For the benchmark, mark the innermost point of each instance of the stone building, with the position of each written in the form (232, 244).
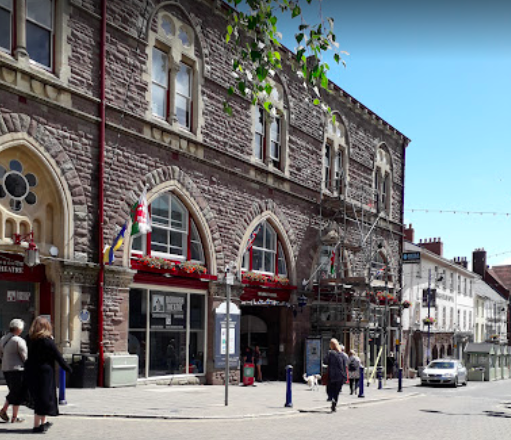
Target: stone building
(101, 100)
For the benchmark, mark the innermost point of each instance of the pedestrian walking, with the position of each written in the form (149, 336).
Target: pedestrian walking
(40, 372)
(13, 352)
(336, 371)
(354, 371)
(258, 361)
(391, 362)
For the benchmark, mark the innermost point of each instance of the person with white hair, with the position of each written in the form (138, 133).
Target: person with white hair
(13, 352)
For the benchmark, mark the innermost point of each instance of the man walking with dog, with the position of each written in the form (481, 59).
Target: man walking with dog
(336, 362)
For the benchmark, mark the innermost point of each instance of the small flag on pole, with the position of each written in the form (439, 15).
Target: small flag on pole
(252, 238)
(380, 272)
(140, 216)
(332, 262)
(108, 253)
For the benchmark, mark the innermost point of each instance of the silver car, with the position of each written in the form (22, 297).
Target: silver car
(444, 372)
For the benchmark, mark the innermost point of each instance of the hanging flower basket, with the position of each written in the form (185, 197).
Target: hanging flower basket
(429, 321)
(173, 267)
(406, 304)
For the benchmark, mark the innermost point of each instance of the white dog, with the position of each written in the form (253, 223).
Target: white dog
(312, 381)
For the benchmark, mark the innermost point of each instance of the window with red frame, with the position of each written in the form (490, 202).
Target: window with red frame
(266, 254)
(174, 233)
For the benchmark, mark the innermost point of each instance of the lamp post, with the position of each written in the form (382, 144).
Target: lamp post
(428, 354)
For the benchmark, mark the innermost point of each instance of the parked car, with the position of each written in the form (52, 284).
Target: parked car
(444, 372)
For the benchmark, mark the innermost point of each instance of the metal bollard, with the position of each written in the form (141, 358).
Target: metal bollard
(361, 383)
(400, 381)
(289, 382)
(380, 377)
(62, 386)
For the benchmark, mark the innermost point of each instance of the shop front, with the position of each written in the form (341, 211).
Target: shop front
(24, 292)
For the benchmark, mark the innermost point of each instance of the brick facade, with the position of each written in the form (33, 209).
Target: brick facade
(214, 169)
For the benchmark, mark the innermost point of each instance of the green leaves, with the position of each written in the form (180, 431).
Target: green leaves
(254, 38)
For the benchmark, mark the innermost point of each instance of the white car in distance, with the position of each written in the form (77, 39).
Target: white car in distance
(444, 372)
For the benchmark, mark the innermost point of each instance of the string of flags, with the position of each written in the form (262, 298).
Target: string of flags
(141, 224)
(448, 211)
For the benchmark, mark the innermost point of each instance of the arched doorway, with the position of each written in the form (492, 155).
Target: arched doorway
(449, 350)
(442, 351)
(254, 331)
(435, 352)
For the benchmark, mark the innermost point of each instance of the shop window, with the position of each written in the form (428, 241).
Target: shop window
(265, 254)
(174, 233)
(167, 331)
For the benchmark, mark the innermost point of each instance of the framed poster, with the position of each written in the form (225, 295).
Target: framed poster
(312, 356)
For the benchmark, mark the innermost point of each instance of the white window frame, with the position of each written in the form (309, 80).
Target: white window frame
(327, 164)
(151, 288)
(52, 36)
(260, 116)
(169, 228)
(276, 121)
(188, 98)
(11, 27)
(164, 87)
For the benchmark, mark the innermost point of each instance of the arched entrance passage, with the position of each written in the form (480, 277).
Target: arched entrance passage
(435, 352)
(259, 326)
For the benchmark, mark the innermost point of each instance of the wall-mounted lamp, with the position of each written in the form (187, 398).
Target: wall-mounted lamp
(32, 252)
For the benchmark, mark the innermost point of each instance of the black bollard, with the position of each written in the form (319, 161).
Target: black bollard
(380, 377)
(361, 383)
(289, 383)
(62, 386)
(400, 381)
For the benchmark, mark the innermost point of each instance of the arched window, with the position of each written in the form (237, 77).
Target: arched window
(335, 157)
(382, 181)
(264, 252)
(174, 233)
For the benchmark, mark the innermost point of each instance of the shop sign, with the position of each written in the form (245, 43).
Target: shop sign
(411, 257)
(17, 296)
(11, 266)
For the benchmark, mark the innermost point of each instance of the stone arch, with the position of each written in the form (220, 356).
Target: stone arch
(382, 145)
(268, 210)
(20, 130)
(347, 135)
(171, 178)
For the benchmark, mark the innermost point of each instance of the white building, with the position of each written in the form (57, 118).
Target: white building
(451, 304)
(490, 315)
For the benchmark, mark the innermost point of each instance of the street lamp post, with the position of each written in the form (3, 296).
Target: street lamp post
(428, 354)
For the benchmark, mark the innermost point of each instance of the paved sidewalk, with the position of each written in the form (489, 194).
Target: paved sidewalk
(266, 399)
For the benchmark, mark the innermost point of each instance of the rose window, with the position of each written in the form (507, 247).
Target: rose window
(17, 186)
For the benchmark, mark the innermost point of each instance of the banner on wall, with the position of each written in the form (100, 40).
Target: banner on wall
(312, 356)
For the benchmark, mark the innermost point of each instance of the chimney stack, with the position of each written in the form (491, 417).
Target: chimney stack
(409, 233)
(461, 261)
(434, 245)
(479, 261)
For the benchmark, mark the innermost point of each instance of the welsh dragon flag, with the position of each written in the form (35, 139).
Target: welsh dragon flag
(332, 262)
(140, 216)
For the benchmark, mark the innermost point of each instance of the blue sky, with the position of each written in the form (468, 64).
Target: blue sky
(440, 72)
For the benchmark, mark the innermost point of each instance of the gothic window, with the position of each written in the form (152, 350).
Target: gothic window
(264, 252)
(382, 181)
(335, 166)
(17, 186)
(174, 71)
(174, 234)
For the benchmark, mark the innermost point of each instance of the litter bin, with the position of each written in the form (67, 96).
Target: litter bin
(248, 374)
(85, 371)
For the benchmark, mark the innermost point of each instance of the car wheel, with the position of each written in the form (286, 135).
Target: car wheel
(455, 384)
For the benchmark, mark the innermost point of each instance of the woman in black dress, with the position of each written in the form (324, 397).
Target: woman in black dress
(336, 371)
(40, 372)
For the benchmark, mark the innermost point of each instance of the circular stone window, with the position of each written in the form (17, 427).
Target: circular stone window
(16, 186)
